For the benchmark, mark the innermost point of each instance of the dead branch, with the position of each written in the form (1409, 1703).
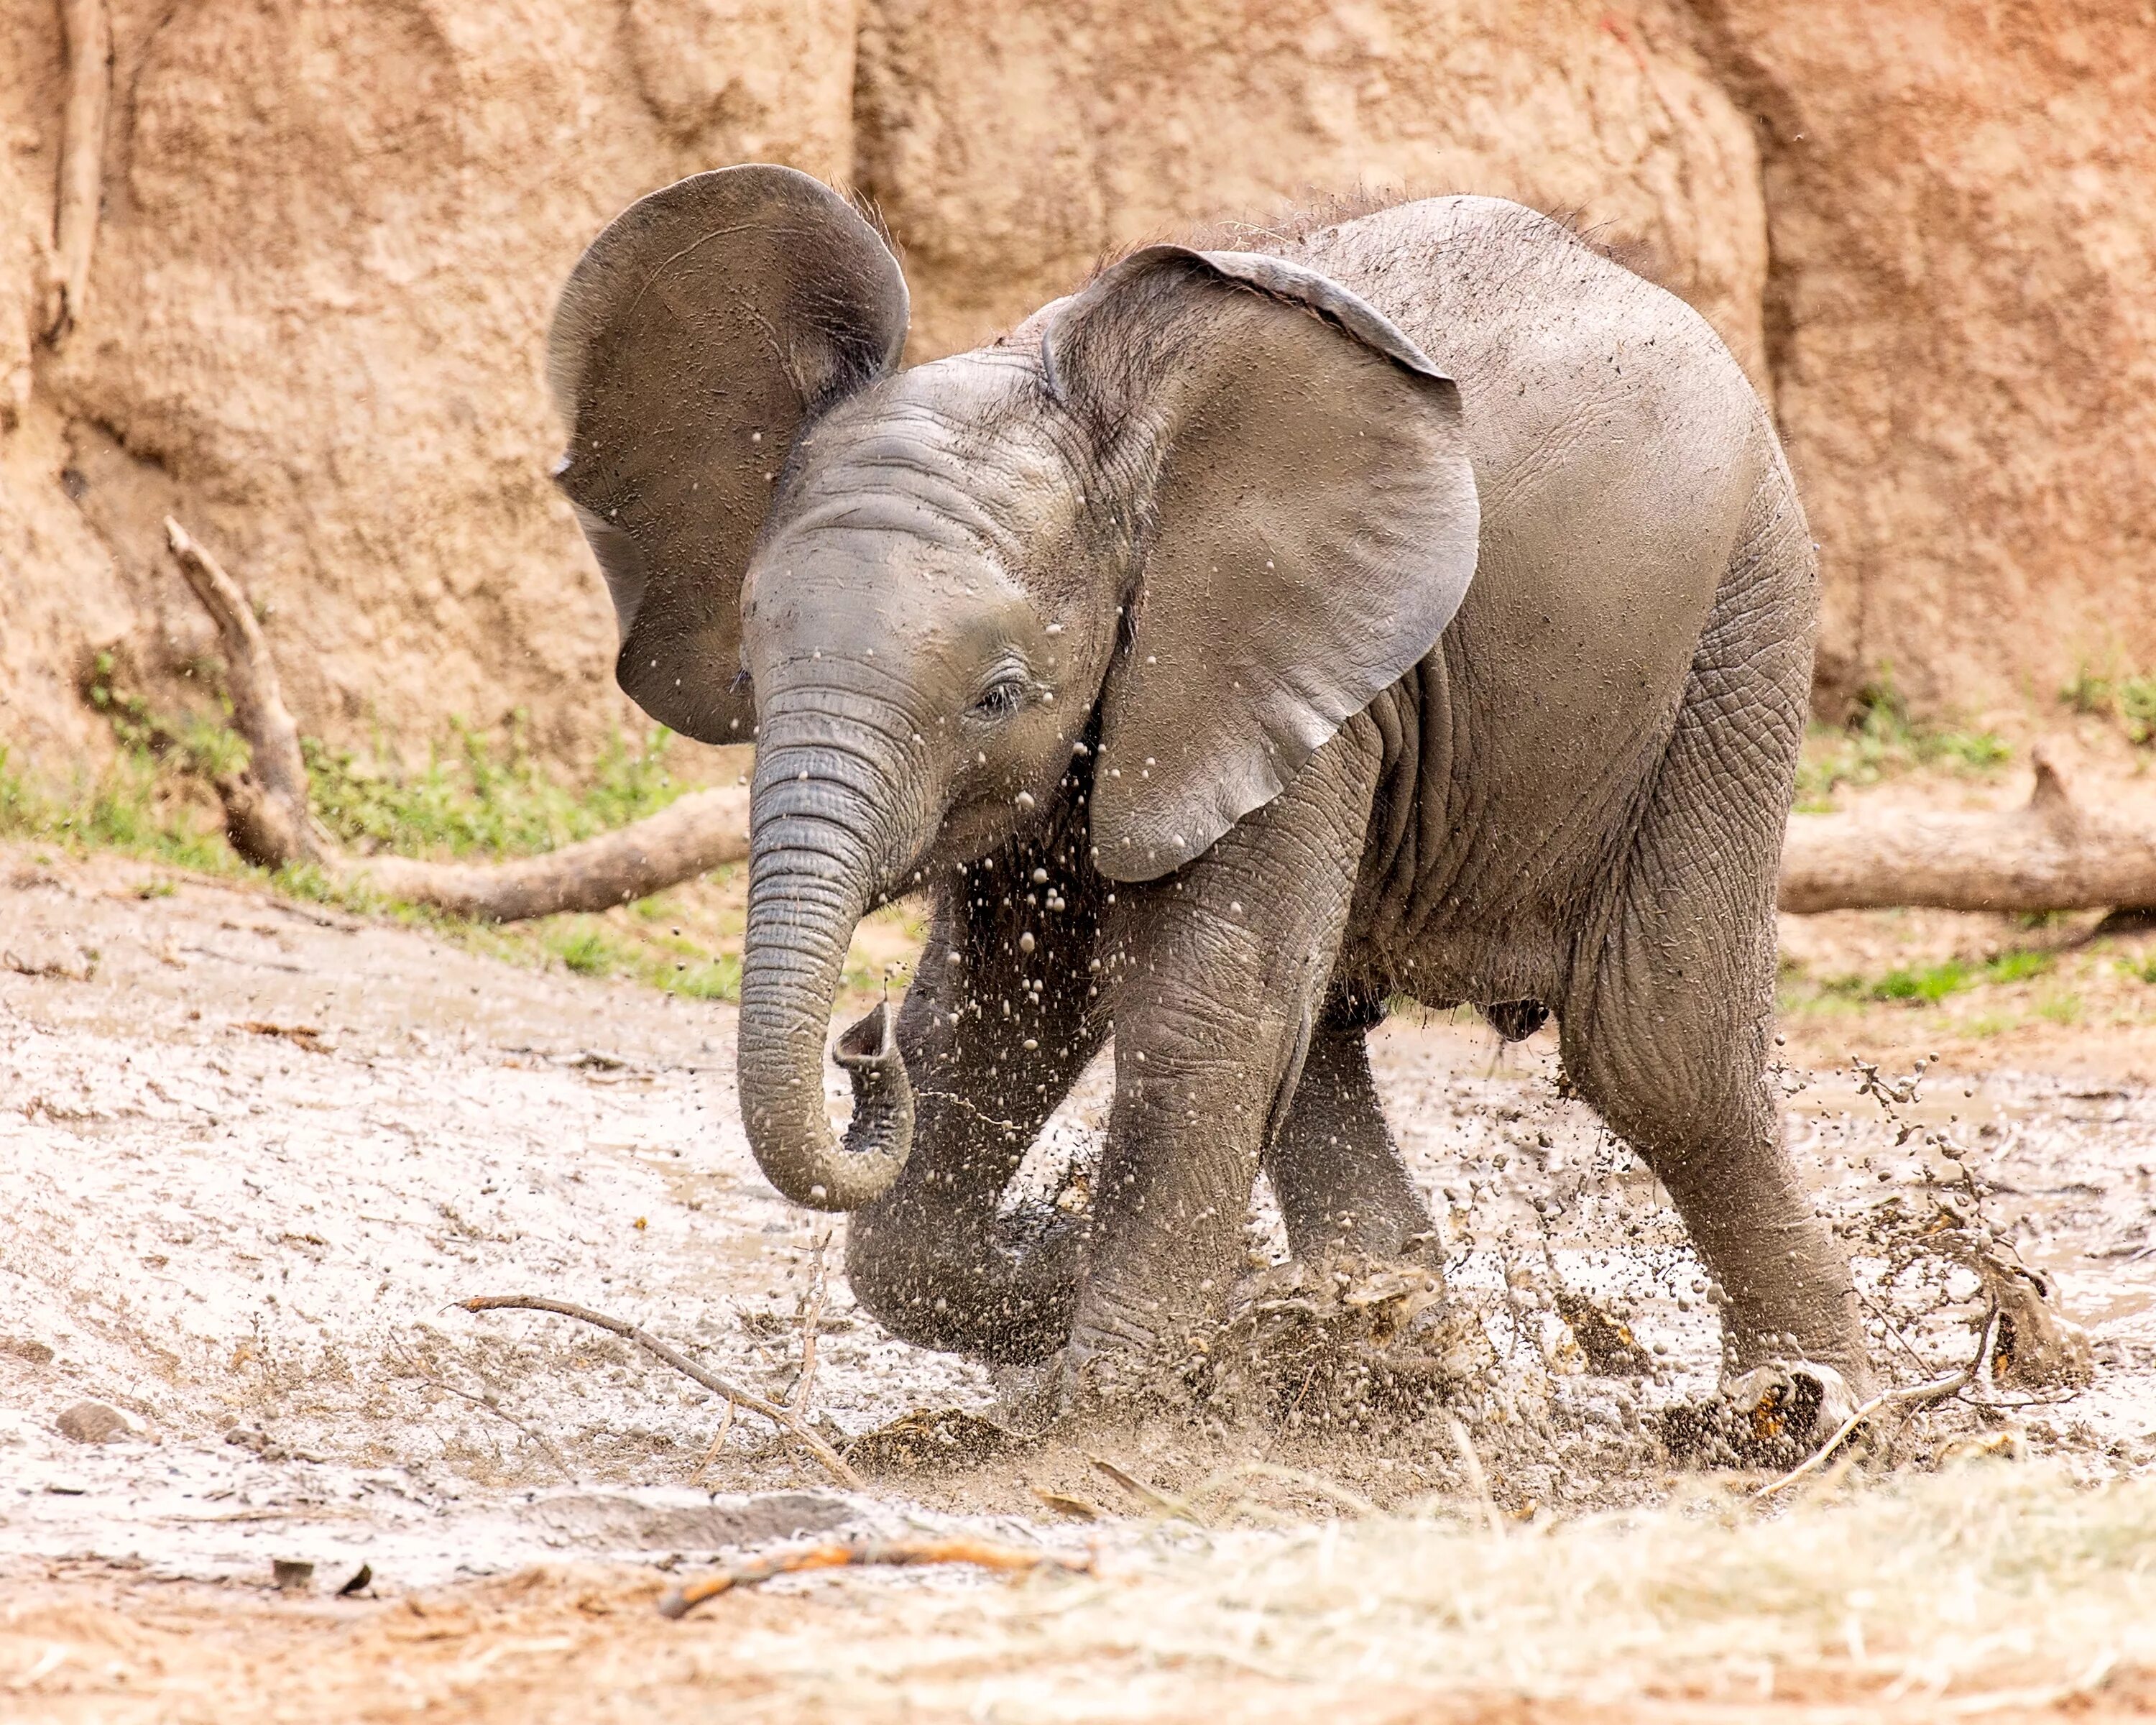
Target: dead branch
(790, 1421)
(81, 189)
(267, 817)
(2053, 854)
(682, 1600)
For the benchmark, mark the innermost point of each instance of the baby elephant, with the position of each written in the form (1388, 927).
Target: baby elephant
(1425, 610)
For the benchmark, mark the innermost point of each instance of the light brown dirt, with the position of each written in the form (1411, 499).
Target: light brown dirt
(1013, 145)
(252, 1151)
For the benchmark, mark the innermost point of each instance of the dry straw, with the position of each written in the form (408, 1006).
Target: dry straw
(1989, 1583)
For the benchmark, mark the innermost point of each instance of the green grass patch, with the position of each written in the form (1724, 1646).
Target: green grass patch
(475, 796)
(1881, 740)
(1915, 985)
(2128, 702)
(480, 798)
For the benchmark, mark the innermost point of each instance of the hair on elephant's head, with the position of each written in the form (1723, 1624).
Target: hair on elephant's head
(1190, 520)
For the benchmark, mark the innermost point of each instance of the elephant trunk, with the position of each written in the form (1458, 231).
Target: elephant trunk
(815, 859)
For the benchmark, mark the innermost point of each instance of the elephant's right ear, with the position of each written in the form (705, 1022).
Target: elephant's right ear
(694, 337)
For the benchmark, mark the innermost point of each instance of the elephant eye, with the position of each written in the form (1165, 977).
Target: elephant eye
(1001, 698)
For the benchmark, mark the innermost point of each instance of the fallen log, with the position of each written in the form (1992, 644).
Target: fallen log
(2054, 853)
(268, 820)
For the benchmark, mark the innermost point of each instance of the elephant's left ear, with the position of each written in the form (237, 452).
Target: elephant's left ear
(1305, 523)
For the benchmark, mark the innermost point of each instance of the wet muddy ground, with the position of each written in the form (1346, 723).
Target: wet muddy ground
(252, 1151)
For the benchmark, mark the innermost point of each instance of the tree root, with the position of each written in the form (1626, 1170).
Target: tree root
(682, 1600)
(268, 820)
(81, 190)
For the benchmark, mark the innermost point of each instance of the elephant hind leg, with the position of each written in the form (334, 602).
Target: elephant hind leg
(1670, 1005)
(1333, 1165)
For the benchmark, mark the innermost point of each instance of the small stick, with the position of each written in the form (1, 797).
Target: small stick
(718, 1442)
(788, 1420)
(791, 1561)
(1917, 1395)
(1477, 1480)
(812, 1316)
(1160, 1503)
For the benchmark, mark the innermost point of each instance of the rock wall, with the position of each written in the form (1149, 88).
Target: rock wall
(1011, 143)
(332, 231)
(332, 234)
(1961, 325)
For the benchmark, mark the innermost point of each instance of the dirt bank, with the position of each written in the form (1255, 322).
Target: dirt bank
(330, 236)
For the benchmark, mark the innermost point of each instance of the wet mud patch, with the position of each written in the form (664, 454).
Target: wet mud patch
(247, 1245)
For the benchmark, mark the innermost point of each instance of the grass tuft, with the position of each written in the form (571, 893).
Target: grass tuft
(474, 797)
(1881, 739)
(2129, 701)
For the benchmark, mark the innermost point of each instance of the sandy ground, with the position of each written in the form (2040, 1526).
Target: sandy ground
(251, 1152)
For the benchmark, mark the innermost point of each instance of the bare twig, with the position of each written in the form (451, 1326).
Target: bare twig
(682, 1600)
(420, 1369)
(81, 189)
(717, 1443)
(1477, 1480)
(812, 1317)
(1160, 1503)
(790, 1421)
(266, 812)
(1916, 1395)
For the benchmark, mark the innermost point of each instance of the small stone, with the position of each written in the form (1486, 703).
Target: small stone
(92, 1423)
(293, 1575)
(28, 1347)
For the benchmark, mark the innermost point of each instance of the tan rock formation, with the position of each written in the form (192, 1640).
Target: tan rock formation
(333, 231)
(1962, 321)
(1011, 143)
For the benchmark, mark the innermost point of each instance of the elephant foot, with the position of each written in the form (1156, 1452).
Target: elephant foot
(1772, 1415)
(1347, 1342)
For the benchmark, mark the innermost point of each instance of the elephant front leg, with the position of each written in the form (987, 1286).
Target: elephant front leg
(1334, 1167)
(995, 1029)
(1218, 973)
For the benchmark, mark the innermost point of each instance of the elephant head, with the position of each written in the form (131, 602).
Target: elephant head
(1152, 550)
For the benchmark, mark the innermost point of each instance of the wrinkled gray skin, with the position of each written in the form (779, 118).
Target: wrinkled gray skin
(1144, 640)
